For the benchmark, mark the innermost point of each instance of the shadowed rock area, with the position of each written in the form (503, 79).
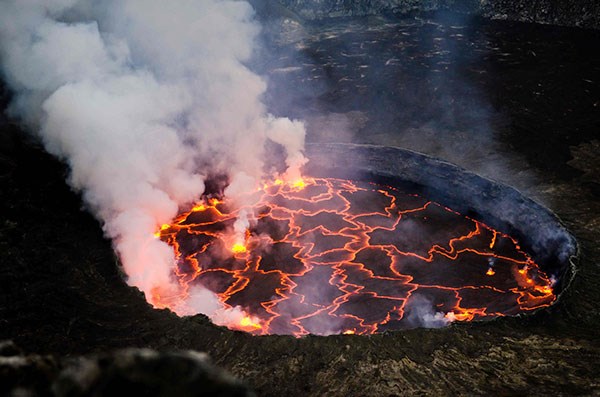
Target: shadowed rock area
(581, 13)
(127, 371)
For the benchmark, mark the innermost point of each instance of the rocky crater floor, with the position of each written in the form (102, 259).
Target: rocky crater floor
(514, 102)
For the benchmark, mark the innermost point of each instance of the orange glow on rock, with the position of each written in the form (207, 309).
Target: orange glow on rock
(493, 242)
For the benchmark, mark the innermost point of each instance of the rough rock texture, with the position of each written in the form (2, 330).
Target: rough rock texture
(515, 102)
(320, 9)
(123, 372)
(582, 13)
(586, 158)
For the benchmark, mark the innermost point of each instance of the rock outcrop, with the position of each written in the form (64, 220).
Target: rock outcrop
(123, 372)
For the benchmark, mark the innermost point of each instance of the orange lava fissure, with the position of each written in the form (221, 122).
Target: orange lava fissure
(332, 256)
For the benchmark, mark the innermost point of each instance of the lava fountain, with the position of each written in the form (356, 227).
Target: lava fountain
(328, 255)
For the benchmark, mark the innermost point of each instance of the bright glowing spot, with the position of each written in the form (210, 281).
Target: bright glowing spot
(299, 184)
(278, 182)
(349, 332)
(544, 290)
(199, 207)
(490, 272)
(238, 249)
(164, 226)
(247, 322)
(214, 202)
(523, 271)
(465, 315)
(459, 316)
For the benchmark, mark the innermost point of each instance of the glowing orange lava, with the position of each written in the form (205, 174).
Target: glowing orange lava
(238, 248)
(327, 256)
(246, 322)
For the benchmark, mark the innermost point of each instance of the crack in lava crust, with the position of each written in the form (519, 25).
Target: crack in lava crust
(337, 256)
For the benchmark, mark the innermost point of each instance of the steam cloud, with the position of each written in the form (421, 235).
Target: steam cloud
(143, 99)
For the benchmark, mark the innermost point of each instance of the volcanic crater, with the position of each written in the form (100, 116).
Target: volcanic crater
(63, 292)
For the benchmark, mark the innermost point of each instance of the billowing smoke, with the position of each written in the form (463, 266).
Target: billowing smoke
(420, 312)
(144, 99)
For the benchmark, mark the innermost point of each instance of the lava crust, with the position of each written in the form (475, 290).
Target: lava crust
(338, 256)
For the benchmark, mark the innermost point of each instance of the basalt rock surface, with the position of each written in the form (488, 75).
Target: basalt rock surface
(582, 13)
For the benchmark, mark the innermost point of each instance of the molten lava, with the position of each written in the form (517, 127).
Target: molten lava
(327, 256)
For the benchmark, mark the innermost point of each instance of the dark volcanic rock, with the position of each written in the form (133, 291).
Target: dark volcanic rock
(124, 372)
(582, 13)
(29, 375)
(320, 9)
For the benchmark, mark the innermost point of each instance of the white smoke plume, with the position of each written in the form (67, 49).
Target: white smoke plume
(420, 312)
(142, 99)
